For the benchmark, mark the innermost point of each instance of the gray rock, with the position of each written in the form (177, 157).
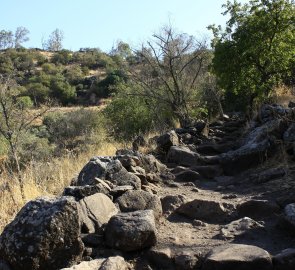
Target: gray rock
(182, 155)
(45, 234)
(114, 263)
(131, 231)
(258, 209)
(205, 210)
(111, 263)
(188, 260)
(79, 192)
(239, 227)
(139, 141)
(118, 175)
(208, 171)
(270, 112)
(120, 190)
(236, 256)
(95, 210)
(289, 215)
(92, 239)
(167, 140)
(107, 169)
(268, 175)
(161, 258)
(285, 260)
(140, 200)
(172, 202)
(187, 176)
(95, 168)
(257, 145)
(87, 265)
(289, 135)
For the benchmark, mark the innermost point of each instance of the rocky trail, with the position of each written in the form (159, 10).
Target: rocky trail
(216, 197)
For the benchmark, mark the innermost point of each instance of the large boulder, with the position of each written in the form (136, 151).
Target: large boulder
(95, 168)
(172, 202)
(131, 231)
(182, 155)
(258, 209)
(167, 140)
(258, 144)
(289, 135)
(285, 260)
(289, 217)
(107, 169)
(237, 256)
(134, 200)
(94, 211)
(45, 234)
(205, 210)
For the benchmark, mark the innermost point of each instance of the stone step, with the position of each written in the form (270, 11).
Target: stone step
(208, 171)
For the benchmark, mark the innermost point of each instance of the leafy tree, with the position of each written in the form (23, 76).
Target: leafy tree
(20, 36)
(62, 90)
(170, 69)
(38, 92)
(6, 39)
(256, 51)
(107, 86)
(54, 42)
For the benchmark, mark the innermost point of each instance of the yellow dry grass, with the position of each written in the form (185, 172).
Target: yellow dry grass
(44, 179)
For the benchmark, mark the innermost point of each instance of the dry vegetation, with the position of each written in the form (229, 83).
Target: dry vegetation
(44, 179)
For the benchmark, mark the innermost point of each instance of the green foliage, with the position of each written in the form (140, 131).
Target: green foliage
(128, 116)
(50, 68)
(38, 92)
(34, 148)
(256, 51)
(93, 58)
(62, 90)
(63, 57)
(75, 130)
(74, 74)
(107, 87)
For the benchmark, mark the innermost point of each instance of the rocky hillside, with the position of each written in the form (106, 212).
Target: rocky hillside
(216, 197)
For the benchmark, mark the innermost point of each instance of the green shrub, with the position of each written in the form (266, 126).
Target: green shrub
(128, 116)
(62, 90)
(76, 130)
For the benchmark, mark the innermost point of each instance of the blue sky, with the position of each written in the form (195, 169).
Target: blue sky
(100, 23)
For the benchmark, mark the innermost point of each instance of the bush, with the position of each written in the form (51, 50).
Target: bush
(62, 90)
(63, 57)
(38, 92)
(128, 116)
(35, 148)
(76, 130)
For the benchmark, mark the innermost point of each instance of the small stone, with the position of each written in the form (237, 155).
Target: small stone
(199, 223)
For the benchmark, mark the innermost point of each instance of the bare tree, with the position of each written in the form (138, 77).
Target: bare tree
(15, 120)
(20, 36)
(54, 42)
(171, 65)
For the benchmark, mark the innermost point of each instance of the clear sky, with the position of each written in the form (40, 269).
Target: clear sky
(100, 23)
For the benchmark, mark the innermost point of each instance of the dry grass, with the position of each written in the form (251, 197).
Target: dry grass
(283, 95)
(44, 179)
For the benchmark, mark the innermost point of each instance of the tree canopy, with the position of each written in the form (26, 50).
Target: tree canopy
(256, 51)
